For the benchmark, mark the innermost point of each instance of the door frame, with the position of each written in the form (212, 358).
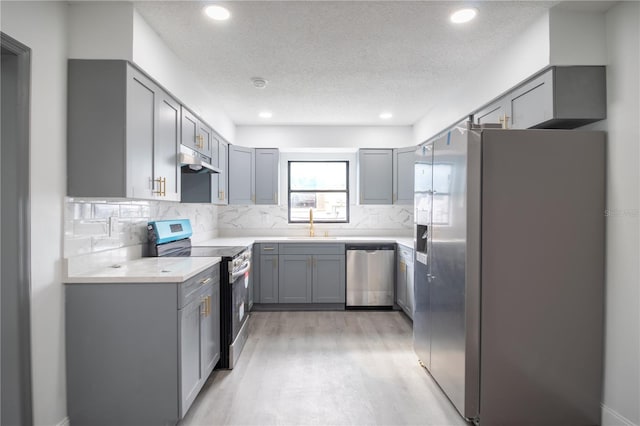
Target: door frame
(23, 54)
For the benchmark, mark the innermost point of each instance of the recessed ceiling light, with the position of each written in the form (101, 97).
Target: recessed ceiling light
(386, 115)
(265, 114)
(259, 82)
(217, 13)
(463, 15)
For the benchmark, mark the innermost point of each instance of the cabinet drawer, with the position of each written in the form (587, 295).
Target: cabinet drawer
(268, 248)
(313, 248)
(190, 289)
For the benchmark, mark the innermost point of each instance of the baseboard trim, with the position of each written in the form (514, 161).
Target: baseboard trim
(613, 418)
(64, 422)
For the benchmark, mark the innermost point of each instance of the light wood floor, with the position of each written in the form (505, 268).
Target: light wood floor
(324, 368)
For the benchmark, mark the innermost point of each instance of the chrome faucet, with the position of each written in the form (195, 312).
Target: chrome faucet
(311, 231)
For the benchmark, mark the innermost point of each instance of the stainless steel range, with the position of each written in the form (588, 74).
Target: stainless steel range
(172, 238)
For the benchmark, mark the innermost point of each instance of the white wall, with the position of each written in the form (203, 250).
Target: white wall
(100, 30)
(154, 57)
(42, 26)
(525, 55)
(115, 30)
(576, 37)
(622, 324)
(287, 137)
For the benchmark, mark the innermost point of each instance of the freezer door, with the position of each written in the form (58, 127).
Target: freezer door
(447, 257)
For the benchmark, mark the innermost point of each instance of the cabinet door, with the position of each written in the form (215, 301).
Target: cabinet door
(328, 279)
(294, 284)
(206, 142)
(267, 163)
(268, 278)
(241, 179)
(141, 101)
(403, 175)
(532, 104)
(189, 134)
(210, 330)
(410, 295)
(401, 283)
(493, 113)
(219, 180)
(375, 167)
(166, 171)
(190, 354)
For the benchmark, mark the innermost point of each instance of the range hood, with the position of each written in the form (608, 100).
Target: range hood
(193, 162)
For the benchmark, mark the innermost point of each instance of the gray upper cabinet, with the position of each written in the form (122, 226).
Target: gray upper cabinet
(122, 133)
(266, 175)
(375, 176)
(493, 113)
(562, 97)
(196, 134)
(241, 175)
(219, 181)
(165, 169)
(328, 277)
(403, 175)
(295, 276)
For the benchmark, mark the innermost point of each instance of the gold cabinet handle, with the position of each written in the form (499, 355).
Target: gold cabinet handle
(162, 186)
(504, 120)
(203, 312)
(205, 281)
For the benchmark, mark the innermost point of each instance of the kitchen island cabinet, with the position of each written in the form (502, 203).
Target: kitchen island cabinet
(123, 133)
(139, 353)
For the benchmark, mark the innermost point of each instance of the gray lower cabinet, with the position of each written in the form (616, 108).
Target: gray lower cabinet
(123, 134)
(403, 175)
(266, 175)
(375, 176)
(295, 278)
(241, 175)
(405, 280)
(139, 353)
(562, 97)
(328, 278)
(268, 278)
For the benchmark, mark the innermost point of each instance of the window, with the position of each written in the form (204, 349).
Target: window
(321, 186)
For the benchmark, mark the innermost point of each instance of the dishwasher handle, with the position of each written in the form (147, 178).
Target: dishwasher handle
(370, 247)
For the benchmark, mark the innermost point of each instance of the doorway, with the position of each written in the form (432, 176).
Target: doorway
(15, 290)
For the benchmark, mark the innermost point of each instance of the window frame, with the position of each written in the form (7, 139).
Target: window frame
(314, 191)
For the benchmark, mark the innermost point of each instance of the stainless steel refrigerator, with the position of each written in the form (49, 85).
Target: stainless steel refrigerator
(509, 273)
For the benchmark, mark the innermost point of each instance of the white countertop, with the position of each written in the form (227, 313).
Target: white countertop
(247, 241)
(146, 270)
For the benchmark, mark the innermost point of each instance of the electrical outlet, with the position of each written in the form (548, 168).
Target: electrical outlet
(113, 226)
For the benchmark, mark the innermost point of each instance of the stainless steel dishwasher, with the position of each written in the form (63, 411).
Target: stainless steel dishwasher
(370, 275)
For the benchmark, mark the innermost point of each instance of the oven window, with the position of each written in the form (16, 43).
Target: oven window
(320, 186)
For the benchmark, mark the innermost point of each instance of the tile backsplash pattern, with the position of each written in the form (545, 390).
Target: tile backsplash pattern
(96, 225)
(393, 220)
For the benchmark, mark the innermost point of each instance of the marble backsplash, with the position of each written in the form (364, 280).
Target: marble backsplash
(394, 220)
(93, 225)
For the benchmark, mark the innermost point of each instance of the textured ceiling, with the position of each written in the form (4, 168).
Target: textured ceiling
(341, 62)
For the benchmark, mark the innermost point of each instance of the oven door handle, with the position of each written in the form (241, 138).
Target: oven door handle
(233, 276)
